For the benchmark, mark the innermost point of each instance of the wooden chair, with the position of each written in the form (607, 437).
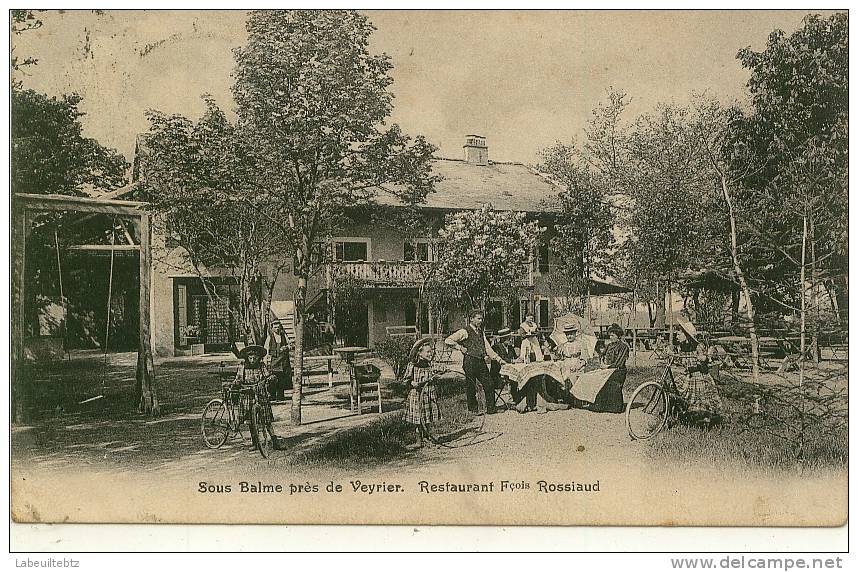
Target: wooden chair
(367, 381)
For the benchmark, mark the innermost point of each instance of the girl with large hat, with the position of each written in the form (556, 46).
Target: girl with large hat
(421, 406)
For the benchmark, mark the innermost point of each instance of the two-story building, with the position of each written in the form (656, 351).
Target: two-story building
(385, 264)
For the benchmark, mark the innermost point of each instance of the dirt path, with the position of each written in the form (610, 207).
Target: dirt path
(107, 465)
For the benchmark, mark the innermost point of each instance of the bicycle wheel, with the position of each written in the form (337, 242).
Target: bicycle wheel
(646, 412)
(260, 432)
(446, 417)
(215, 424)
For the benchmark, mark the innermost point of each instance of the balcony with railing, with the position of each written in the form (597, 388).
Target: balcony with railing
(387, 274)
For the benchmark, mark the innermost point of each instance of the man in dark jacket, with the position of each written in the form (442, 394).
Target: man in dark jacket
(278, 349)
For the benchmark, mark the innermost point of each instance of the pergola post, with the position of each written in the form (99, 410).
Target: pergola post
(21, 221)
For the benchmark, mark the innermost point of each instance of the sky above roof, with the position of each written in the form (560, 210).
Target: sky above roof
(522, 79)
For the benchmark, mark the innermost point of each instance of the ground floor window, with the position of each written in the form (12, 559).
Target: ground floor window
(411, 318)
(201, 319)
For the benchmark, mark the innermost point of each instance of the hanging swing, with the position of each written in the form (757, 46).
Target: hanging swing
(105, 358)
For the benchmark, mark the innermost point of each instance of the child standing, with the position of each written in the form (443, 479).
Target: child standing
(422, 404)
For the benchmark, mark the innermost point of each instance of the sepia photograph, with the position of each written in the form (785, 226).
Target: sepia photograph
(429, 267)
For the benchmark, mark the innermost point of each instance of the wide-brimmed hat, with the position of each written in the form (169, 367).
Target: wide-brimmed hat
(569, 328)
(416, 347)
(252, 349)
(616, 329)
(503, 333)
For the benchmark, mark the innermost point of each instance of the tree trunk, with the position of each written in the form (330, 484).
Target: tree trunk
(743, 284)
(830, 289)
(301, 267)
(146, 388)
(814, 288)
(735, 297)
(659, 320)
(669, 311)
(297, 384)
(803, 343)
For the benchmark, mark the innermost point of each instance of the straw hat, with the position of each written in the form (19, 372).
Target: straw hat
(252, 349)
(416, 347)
(503, 333)
(570, 328)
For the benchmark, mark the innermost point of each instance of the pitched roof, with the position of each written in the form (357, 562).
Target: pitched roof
(506, 186)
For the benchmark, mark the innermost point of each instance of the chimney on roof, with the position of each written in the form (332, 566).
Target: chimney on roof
(476, 151)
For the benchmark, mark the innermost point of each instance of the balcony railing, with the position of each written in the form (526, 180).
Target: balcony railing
(389, 274)
(379, 273)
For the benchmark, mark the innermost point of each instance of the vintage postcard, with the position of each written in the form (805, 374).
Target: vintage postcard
(429, 267)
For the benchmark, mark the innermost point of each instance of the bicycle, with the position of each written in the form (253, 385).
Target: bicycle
(653, 403)
(222, 418)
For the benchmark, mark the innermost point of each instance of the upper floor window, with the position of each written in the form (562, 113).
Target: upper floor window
(350, 251)
(542, 258)
(418, 251)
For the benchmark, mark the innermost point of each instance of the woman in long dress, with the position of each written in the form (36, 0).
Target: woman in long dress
(610, 398)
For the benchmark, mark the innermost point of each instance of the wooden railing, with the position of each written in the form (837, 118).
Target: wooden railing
(379, 273)
(389, 274)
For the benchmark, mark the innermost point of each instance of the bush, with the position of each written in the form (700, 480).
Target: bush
(393, 350)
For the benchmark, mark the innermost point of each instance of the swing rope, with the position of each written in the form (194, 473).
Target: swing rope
(105, 364)
(64, 327)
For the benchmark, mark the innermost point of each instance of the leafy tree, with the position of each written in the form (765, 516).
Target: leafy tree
(50, 153)
(585, 222)
(197, 178)
(312, 104)
(484, 253)
(22, 21)
(796, 200)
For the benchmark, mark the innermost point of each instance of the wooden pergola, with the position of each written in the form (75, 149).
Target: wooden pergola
(24, 208)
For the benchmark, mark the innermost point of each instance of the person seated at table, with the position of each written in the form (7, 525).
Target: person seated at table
(541, 394)
(698, 390)
(571, 354)
(572, 347)
(610, 397)
(504, 347)
(253, 373)
(531, 349)
(421, 406)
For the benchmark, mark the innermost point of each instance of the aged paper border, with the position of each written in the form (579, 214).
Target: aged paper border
(789, 539)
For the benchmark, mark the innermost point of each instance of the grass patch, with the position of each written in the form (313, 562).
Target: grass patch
(383, 440)
(743, 443)
(730, 445)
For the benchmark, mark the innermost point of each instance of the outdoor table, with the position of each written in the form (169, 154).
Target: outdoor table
(348, 354)
(330, 360)
(586, 385)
